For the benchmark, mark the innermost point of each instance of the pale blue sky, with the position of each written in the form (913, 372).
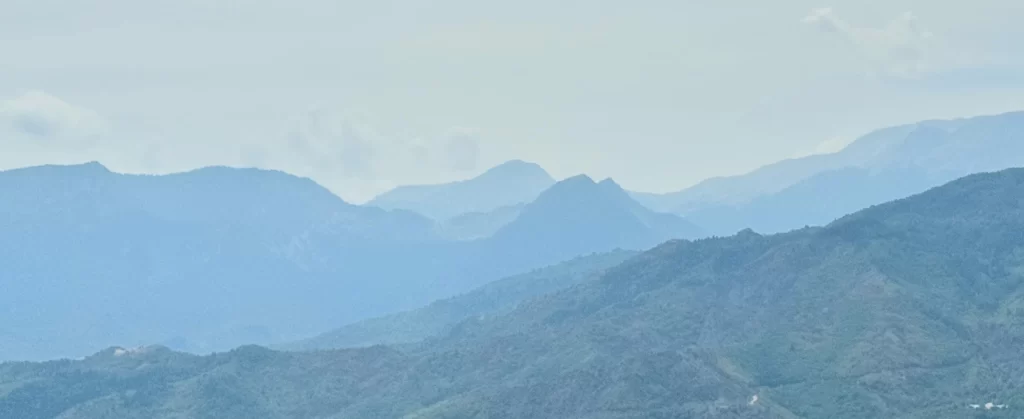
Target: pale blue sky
(364, 95)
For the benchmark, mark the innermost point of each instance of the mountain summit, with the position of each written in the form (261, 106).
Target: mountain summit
(578, 216)
(511, 183)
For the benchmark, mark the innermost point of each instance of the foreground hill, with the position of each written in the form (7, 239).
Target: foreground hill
(218, 257)
(912, 309)
(888, 164)
(509, 184)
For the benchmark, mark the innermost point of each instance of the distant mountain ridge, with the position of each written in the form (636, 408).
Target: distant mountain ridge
(910, 309)
(221, 195)
(90, 256)
(886, 164)
(218, 257)
(512, 183)
(213, 256)
(774, 177)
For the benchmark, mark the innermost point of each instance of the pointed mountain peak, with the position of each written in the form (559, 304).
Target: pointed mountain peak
(610, 184)
(585, 185)
(581, 178)
(573, 183)
(582, 188)
(516, 164)
(582, 214)
(748, 233)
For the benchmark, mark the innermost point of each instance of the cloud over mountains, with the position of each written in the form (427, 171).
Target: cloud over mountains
(899, 48)
(40, 117)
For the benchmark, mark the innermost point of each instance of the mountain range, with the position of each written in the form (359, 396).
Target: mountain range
(887, 164)
(219, 257)
(910, 309)
(883, 165)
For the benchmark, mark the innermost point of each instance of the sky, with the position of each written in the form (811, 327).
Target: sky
(363, 96)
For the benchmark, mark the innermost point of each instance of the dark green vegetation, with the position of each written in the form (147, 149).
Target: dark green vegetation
(912, 309)
(218, 257)
(439, 317)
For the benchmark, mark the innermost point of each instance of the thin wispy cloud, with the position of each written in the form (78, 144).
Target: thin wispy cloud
(645, 93)
(462, 150)
(330, 139)
(899, 48)
(331, 142)
(46, 120)
(356, 150)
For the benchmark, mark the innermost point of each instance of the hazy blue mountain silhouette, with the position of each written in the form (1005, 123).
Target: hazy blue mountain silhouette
(91, 257)
(218, 257)
(887, 164)
(735, 190)
(910, 309)
(221, 196)
(578, 216)
(478, 225)
(509, 184)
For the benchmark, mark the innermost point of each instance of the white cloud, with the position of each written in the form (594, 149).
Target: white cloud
(329, 141)
(358, 156)
(354, 146)
(670, 76)
(45, 120)
(351, 153)
(900, 48)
